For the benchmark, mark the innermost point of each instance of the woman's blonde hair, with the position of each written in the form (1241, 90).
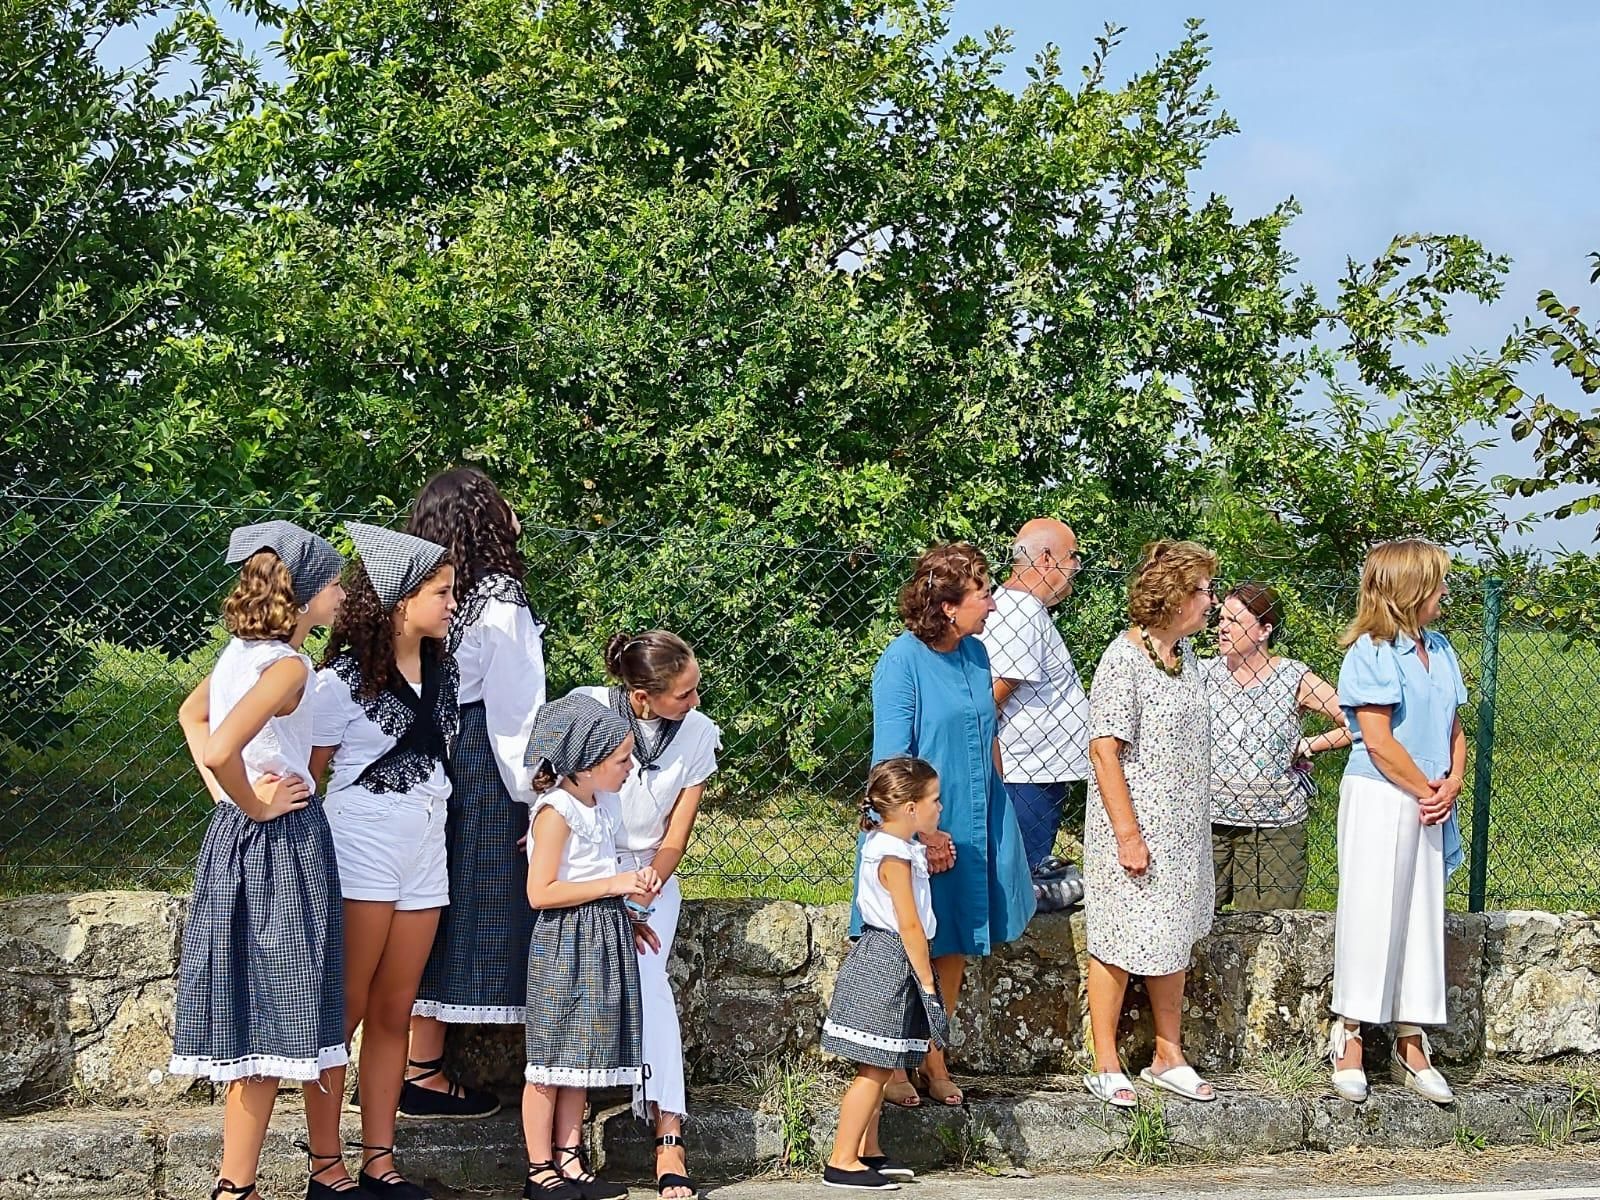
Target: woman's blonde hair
(1167, 576)
(1397, 579)
(262, 604)
(892, 784)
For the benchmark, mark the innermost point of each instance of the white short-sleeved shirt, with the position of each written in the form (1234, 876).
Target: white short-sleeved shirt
(872, 898)
(591, 849)
(1044, 726)
(647, 801)
(501, 657)
(283, 747)
(340, 720)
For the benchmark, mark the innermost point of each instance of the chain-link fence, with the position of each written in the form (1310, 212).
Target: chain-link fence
(109, 613)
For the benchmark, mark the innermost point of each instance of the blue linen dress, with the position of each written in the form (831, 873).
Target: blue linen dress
(940, 707)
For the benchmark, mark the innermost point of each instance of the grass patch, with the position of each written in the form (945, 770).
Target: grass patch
(972, 1145)
(1292, 1072)
(791, 1086)
(111, 799)
(1147, 1139)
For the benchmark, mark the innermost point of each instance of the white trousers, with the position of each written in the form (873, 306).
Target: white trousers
(1388, 940)
(662, 1042)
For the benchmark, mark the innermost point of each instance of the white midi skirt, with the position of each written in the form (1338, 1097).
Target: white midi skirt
(1388, 941)
(662, 1087)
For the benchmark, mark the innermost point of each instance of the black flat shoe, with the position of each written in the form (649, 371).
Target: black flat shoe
(887, 1167)
(866, 1180)
(316, 1189)
(544, 1182)
(671, 1179)
(588, 1184)
(455, 1103)
(391, 1185)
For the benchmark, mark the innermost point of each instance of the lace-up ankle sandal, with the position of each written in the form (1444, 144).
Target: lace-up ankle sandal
(1427, 1082)
(590, 1186)
(227, 1187)
(455, 1103)
(316, 1189)
(544, 1182)
(391, 1185)
(1349, 1082)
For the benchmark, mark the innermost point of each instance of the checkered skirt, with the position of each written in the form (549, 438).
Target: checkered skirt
(261, 979)
(478, 970)
(877, 1015)
(583, 1013)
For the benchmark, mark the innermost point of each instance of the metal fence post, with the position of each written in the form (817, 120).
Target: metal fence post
(1483, 743)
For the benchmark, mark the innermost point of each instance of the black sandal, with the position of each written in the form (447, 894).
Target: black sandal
(591, 1186)
(561, 1188)
(315, 1188)
(391, 1185)
(455, 1103)
(227, 1187)
(672, 1179)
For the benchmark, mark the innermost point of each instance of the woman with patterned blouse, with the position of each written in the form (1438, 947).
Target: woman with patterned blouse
(1259, 792)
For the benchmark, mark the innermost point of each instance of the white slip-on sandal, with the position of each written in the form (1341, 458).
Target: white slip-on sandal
(1182, 1080)
(1105, 1086)
(1427, 1082)
(1350, 1083)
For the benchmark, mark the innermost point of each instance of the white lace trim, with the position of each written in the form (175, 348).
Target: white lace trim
(260, 1066)
(573, 1077)
(846, 1034)
(466, 1014)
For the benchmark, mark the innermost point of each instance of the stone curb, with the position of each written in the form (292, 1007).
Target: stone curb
(171, 1153)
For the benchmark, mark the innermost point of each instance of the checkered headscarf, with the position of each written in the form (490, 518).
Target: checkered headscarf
(572, 734)
(312, 561)
(395, 562)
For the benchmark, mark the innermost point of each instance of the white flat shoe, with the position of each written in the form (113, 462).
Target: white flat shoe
(1181, 1080)
(1426, 1082)
(1105, 1086)
(1350, 1083)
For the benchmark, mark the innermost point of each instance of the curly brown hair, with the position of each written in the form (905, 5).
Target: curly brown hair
(945, 574)
(364, 630)
(462, 510)
(262, 605)
(1168, 574)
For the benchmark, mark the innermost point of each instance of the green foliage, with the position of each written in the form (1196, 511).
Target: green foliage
(1567, 449)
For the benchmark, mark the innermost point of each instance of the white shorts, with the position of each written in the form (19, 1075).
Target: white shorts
(390, 847)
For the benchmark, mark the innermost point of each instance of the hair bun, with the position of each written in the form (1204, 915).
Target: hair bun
(614, 648)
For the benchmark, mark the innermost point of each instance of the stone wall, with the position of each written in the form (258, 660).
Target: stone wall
(87, 987)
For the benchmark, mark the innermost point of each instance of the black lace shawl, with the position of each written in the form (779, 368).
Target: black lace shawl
(490, 587)
(424, 727)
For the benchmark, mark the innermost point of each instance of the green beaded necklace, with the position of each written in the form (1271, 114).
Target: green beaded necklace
(1172, 672)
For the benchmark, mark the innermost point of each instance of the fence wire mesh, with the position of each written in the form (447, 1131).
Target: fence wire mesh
(111, 614)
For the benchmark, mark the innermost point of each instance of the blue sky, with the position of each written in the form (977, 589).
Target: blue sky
(1470, 117)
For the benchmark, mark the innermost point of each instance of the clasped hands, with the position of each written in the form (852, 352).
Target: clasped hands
(1437, 805)
(640, 887)
(941, 851)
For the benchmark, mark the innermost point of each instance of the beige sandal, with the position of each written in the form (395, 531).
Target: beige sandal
(940, 1088)
(902, 1092)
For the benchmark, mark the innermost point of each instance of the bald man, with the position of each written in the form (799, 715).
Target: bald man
(1043, 711)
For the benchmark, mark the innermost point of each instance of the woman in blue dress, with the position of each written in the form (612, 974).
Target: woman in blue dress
(932, 697)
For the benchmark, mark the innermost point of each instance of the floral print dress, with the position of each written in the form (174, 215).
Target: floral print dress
(1148, 925)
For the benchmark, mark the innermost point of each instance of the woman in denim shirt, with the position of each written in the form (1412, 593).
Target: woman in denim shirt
(1400, 686)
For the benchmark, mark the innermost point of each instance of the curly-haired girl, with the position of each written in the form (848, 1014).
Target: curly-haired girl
(478, 970)
(386, 716)
(260, 988)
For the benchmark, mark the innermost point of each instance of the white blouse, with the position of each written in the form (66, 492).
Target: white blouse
(648, 798)
(873, 898)
(283, 747)
(341, 721)
(501, 656)
(591, 849)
